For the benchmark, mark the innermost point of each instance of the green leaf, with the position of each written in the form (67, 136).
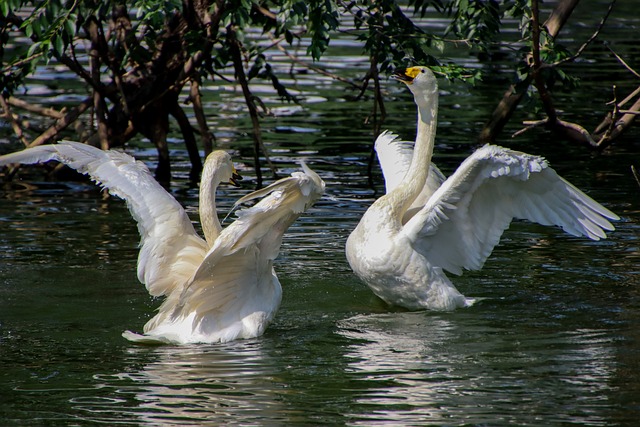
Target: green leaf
(439, 45)
(34, 48)
(58, 45)
(70, 26)
(28, 30)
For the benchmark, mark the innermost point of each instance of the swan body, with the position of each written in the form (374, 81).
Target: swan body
(216, 289)
(424, 225)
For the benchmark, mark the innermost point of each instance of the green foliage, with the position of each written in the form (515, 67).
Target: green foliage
(392, 33)
(54, 26)
(552, 53)
(292, 14)
(421, 6)
(452, 71)
(323, 19)
(393, 39)
(477, 22)
(238, 13)
(153, 13)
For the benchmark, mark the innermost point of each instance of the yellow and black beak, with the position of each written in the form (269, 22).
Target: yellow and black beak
(406, 75)
(235, 177)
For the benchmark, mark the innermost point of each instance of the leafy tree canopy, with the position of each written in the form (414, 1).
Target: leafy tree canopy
(142, 54)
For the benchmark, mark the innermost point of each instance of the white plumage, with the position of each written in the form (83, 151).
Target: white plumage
(425, 224)
(216, 290)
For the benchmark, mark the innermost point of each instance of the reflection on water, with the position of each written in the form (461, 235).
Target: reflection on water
(426, 369)
(194, 384)
(380, 369)
(393, 358)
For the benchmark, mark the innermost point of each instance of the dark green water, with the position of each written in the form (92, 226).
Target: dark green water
(554, 342)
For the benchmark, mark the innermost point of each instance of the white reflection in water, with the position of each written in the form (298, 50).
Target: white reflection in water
(426, 369)
(224, 384)
(394, 351)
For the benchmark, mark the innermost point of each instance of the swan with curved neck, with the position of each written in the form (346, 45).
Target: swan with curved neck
(216, 290)
(215, 171)
(405, 193)
(402, 257)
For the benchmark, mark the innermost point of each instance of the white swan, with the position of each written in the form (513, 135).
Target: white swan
(402, 257)
(395, 157)
(219, 289)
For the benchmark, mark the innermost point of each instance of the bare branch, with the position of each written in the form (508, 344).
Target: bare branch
(253, 112)
(622, 61)
(189, 140)
(540, 85)
(590, 40)
(635, 174)
(33, 108)
(207, 137)
(62, 123)
(511, 98)
(8, 115)
(313, 67)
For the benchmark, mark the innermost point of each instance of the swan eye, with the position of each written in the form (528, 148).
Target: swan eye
(422, 70)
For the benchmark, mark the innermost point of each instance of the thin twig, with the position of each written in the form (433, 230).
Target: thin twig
(253, 113)
(630, 97)
(314, 68)
(33, 108)
(530, 125)
(622, 61)
(62, 123)
(589, 40)
(635, 174)
(20, 63)
(14, 123)
(207, 137)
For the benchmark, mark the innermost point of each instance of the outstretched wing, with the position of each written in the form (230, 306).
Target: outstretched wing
(236, 276)
(395, 157)
(463, 221)
(170, 247)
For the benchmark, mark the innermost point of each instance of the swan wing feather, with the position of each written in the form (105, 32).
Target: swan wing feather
(395, 157)
(465, 218)
(170, 249)
(238, 267)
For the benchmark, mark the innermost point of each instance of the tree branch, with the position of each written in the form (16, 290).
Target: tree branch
(62, 123)
(8, 115)
(189, 140)
(33, 108)
(258, 144)
(512, 97)
(207, 137)
(309, 66)
(591, 39)
(536, 67)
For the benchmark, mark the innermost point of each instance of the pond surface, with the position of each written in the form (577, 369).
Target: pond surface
(555, 340)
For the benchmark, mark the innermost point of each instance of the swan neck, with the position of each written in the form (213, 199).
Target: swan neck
(418, 172)
(416, 176)
(207, 206)
(425, 139)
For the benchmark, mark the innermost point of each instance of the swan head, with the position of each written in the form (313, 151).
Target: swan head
(421, 82)
(220, 166)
